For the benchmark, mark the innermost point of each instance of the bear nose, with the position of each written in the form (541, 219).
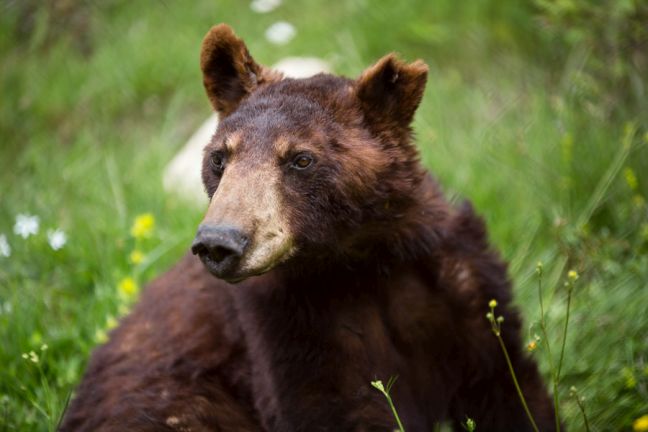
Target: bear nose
(219, 247)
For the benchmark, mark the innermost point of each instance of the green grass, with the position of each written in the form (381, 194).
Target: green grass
(97, 98)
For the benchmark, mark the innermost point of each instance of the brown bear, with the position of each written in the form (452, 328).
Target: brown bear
(328, 258)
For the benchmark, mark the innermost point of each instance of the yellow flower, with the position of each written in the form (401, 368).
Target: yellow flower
(111, 322)
(122, 309)
(492, 304)
(640, 424)
(572, 275)
(136, 257)
(531, 346)
(127, 288)
(100, 336)
(631, 178)
(143, 226)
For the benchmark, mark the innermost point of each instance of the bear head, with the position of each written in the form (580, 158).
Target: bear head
(311, 169)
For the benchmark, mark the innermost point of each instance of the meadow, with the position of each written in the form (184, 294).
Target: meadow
(519, 117)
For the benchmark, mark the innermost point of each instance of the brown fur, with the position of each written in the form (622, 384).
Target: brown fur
(385, 279)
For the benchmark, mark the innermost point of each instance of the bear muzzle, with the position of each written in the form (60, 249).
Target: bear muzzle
(220, 248)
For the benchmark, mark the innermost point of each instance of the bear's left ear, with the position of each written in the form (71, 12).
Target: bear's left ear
(391, 90)
(229, 71)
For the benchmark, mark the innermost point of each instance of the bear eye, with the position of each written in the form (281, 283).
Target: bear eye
(217, 162)
(302, 161)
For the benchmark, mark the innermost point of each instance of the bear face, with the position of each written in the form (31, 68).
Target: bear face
(289, 151)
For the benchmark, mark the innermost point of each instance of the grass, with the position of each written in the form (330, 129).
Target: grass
(97, 97)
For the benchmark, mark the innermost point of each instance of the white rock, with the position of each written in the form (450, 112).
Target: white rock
(264, 6)
(182, 176)
(280, 33)
(301, 67)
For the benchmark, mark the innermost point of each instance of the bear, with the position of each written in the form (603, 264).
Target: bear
(328, 258)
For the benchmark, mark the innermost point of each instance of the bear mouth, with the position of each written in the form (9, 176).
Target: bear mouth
(233, 271)
(225, 269)
(228, 271)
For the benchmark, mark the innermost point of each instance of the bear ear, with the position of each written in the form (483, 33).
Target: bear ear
(229, 72)
(390, 91)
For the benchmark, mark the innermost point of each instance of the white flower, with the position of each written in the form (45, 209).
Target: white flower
(26, 225)
(280, 33)
(6, 307)
(264, 6)
(5, 249)
(56, 238)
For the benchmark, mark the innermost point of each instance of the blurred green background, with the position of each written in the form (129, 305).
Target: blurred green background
(536, 111)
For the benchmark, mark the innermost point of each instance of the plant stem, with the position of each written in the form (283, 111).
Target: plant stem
(393, 408)
(564, 339)
(582, 410)
(552, 368)
(555, 397)
(515, 381)
(542, 321)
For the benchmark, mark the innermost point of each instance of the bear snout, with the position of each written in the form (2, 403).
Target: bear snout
(220, 248)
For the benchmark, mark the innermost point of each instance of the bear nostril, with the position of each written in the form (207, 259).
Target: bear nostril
(219, 253)
(198, 248)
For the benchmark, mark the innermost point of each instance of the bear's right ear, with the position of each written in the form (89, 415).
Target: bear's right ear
(229, 72)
